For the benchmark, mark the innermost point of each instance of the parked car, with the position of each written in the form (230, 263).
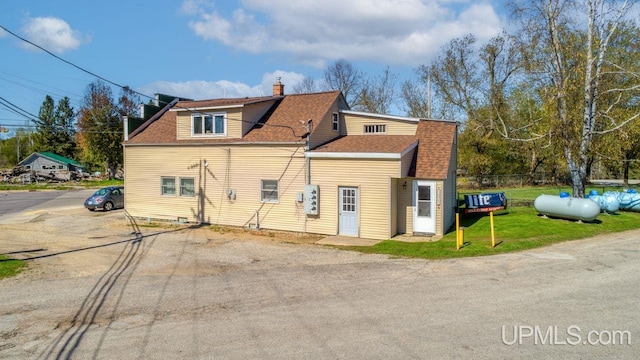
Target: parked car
(107, 198)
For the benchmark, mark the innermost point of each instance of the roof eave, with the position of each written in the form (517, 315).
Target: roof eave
(298, 143)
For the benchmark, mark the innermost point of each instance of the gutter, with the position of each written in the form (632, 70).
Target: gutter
(297, 143)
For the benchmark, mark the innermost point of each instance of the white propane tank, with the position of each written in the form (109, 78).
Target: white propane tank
(567, 207)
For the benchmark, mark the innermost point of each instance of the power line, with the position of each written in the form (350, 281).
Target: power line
(18, 110)
(126, 88)
(63, 60)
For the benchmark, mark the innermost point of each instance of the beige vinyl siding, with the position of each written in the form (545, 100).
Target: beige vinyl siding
(323, 128)
(393, 207)
(233, 122)
(355, 125)
(240, 168)
(405, 206)
(253, 113)
(372, 178)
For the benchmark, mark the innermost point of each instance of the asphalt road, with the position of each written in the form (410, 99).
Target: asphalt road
(15, 202)
(96, 289)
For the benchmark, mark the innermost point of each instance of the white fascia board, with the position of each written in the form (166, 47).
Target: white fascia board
(411, 147)
(281, 143)
(207, 108)
(348, 155)
(381, 116)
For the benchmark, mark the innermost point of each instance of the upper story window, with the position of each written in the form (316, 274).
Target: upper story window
(208, 124)
(375, 129)
(336, 122)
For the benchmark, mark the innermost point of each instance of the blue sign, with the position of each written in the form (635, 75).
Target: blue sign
(485, 202)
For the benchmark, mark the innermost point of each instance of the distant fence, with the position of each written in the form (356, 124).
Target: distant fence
(514, 180)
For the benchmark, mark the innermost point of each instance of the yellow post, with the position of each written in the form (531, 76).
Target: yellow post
(457, 231)
(493, 237)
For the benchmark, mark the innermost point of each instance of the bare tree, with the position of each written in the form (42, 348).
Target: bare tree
(378, 93)
(306, 86)
(548, 31)
(456, 76)
(415, 99)
(341, 75)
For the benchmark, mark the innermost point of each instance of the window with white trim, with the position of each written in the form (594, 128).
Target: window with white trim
(375, 129)
(208, 124)
(269, 190)
(168, 185)
(187, 187)
(336, 122)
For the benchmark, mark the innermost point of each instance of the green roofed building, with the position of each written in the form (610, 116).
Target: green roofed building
(48, 162)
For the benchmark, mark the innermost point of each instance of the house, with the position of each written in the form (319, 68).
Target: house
(301, 162)
(49, 163)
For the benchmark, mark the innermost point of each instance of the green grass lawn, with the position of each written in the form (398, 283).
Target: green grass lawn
(10, 267)
(517, 228)
(526, 195)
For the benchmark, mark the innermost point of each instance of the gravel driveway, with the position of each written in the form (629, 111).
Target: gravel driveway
(96, 289)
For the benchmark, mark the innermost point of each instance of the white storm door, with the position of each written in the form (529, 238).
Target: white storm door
(348, 211)
(424, 209)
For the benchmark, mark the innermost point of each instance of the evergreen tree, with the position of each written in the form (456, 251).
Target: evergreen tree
(55, 128)
(45, 135)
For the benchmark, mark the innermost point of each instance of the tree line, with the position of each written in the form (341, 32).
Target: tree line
(557, 94)
(92, 135)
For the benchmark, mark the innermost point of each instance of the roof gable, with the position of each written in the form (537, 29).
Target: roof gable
(284, 122)
(288, 120)
(435, 148)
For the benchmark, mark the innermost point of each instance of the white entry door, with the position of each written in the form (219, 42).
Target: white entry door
(348, 211)
(424, 206)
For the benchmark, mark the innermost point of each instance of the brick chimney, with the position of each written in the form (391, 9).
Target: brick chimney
(278, 88)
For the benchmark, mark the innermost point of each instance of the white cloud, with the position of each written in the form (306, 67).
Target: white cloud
(194, 7)
(405, 32)
(2, 33)
(200, 90)
(52, 33)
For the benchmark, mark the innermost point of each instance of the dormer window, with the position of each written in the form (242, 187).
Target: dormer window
(208, 124)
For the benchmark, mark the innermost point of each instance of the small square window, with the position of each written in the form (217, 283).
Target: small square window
(269, 190)
(375, 129)
(187, 187)
(168, 185)
(336, 122)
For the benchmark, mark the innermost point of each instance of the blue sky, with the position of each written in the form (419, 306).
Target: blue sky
(205, 49)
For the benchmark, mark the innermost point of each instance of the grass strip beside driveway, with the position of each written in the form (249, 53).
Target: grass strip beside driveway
(516, 229)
